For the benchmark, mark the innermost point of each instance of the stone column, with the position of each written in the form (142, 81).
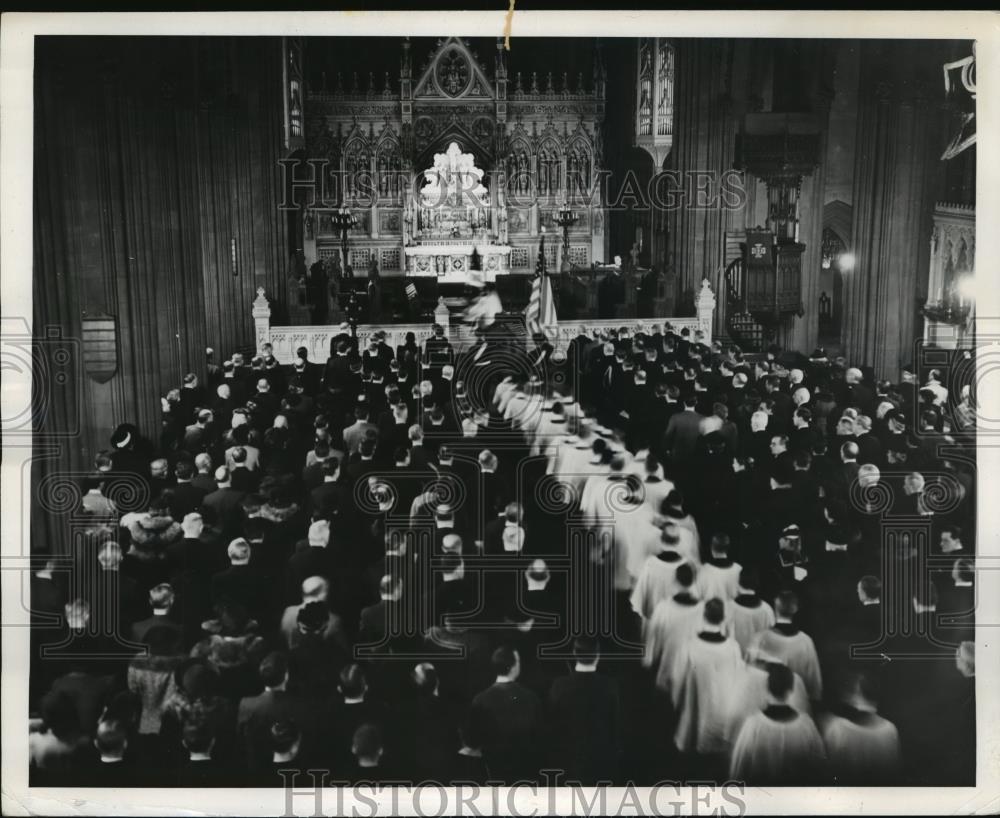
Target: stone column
(704, 137)
(897, 139)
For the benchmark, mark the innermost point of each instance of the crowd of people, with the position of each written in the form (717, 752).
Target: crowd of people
(642, 557)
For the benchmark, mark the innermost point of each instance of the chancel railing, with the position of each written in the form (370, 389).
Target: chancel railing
(285, 340)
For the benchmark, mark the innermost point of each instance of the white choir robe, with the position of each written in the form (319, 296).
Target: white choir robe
(502, 394)
(550, 431)
(516, 408)
(532, 421)
(687, 521)
(782, 750)
(672, 622)
(530, 417)
(656, 582)
(719, 578)
(755, 696)
(594, 505)
(572, 410)
(688, 541)
(861, 751)
(636, 538)
(746, 616)
(559, 452)
(707, 702)
(793, 648)
(654, 491)
(573, 467)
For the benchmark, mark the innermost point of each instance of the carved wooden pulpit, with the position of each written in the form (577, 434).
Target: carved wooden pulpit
(781, 149)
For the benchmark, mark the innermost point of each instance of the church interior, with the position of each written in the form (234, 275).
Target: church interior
(741, 269)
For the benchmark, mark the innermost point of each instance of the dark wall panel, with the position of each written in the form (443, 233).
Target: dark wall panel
(152, 155)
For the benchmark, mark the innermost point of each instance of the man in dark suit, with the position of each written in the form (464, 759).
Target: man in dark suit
(200, 435)
(310, 560)
(201, 768)
(188, 497)
(241, 583)
(585, 717)
(855, 393)
(161, 600)
(847, 473)
(375, 628)
(354, 707)
(111, 764)
(222, 508)
(338, 370)
(683, 428)
(241, 478)
(869, 446)
(437, 349)
(203, 479)
(506, 722)
(356, 433)
(233, 376)
(192, 396)
(257, 713)
(454, 594)
(326, 498)
(307, 373)
(781, 417)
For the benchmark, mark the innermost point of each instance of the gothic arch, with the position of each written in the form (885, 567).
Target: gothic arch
(837, 217)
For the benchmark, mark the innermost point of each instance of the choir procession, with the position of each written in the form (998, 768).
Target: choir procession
(503, 411)
(639, 559)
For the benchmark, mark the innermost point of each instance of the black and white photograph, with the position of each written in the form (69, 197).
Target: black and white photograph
(528, 410)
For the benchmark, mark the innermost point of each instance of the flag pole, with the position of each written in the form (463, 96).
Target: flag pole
(542, 273)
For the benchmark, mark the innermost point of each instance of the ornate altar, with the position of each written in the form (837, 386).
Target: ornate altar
(453, 170)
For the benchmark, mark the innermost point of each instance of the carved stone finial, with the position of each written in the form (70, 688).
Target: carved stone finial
(261, 308)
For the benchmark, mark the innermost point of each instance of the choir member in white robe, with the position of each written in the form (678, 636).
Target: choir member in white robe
(779, 745)
(673, 513)
(636, 537)
(862, 747)
(551, 429)
(531, 413)
(789, 645)
(658, 487)
(572, 409)
(747, 614)
(524, 406)
(505, 390)
(673, 620)
(672, 508)
(702, 675)
(681, 540)
(601, 491)
(577, 461)
(719, 576)
(754, 689)
(657, 581)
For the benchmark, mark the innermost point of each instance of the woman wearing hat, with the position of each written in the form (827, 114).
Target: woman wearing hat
(232, 649)
(196, 695)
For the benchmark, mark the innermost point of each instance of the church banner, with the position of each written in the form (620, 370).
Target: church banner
(760, 253)
(759, 290)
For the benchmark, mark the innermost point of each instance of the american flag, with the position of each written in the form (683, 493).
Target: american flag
(540, 315)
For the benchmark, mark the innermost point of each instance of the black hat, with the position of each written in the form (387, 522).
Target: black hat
(196, 678)
(122, 436)
(313, 616)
